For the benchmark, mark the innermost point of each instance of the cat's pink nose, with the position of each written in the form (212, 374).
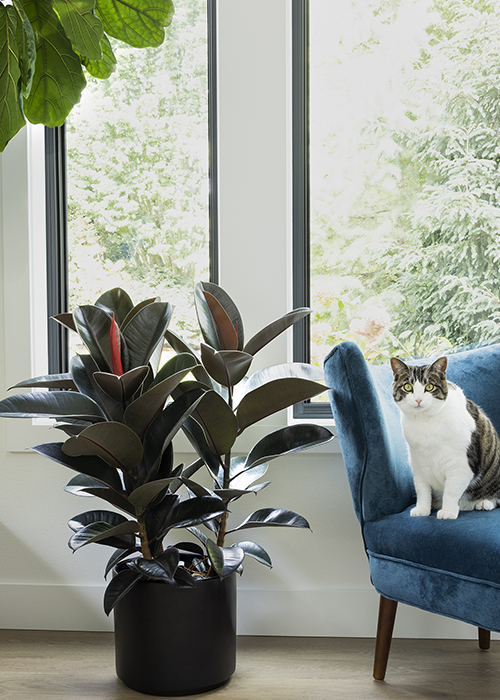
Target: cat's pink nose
(419, 401)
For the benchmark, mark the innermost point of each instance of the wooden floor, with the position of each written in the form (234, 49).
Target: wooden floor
(77, 666)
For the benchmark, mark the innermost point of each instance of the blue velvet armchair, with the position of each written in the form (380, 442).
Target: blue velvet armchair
(449, 567)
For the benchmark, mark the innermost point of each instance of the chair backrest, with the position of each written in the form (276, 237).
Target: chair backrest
(369, 427)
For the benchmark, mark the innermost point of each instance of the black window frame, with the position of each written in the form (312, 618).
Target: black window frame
(57, 218)
(301, 225)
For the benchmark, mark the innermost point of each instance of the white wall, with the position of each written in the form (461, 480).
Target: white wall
(320, 581)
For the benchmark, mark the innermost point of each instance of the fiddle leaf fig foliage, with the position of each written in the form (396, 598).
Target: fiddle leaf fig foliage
(47, 46)
(120, 410)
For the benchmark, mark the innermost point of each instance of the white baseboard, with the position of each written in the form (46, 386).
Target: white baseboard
(317, 613)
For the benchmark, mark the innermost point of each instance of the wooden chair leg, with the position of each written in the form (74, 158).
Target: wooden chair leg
(386, 617)
(484, 639)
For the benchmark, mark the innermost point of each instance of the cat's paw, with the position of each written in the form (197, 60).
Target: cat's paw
(447, 514)
(485, 504)
(418, 511)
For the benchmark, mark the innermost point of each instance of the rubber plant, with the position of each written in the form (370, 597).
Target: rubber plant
(47, 46)
(120, 412)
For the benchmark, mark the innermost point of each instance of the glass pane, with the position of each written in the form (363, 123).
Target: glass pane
(137, 148)
(405, 180)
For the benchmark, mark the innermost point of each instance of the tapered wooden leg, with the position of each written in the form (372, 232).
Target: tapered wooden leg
(386, 617)
(484, 639)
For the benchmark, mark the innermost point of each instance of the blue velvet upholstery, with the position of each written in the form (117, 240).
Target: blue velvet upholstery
(451, 567)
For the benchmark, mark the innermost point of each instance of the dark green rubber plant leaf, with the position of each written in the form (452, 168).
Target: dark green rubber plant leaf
(274, 388)
(270, 332)
(226, 333)
(79, 483)
(90, 466)
(150, 569)
(118, 587)
(11, 115)
(49, 381)
(116, 301)
(140, 413)
(124, 387)
(135, 309)
(165, 426)
(94, 516)
(218, 422)
(118, 556)
(156, 515)
(94, 326)
(177, 363)
(196, 436)
(228, 305)
(284, 441)
(51, 404)
(114, 443)
(58, 79)
(242, 478)
(227, 367)
(122, 535)
(145, 494)
(82, 27)
(138, 23)
(27, 48)
(224, 560)
(113, 497)
(145, 330)
(83, 369)
(103, 67)
(254, 550)
(66, 320)
(192, 512)
(275, 517)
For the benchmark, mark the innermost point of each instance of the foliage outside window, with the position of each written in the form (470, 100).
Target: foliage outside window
(404, 175)
(137, 163)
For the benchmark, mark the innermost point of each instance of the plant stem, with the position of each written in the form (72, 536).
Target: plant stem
(146, 552)
(221, 535)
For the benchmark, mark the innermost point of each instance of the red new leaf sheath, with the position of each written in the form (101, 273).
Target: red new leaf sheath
(115, 350)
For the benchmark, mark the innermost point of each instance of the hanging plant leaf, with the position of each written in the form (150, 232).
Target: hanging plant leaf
(285, 441)
(51, 404)
(138, 23)
(122, 535)
(254, 550)
(275, 517)
(27, 48)
(90, 466)
(58, 79)
(124, 387)
(94, 516)
(270, 332)
(119, 586)
(227, 367)
(145, 330)
(118, 556)
(11, 115)
(192, 512)
(274, 388)
(48, 381)
(225, 560)
(103, 67)
(115, 443)
(218, 422)
(82, 27)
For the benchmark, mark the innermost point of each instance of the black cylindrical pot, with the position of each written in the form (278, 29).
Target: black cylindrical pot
(176, 641)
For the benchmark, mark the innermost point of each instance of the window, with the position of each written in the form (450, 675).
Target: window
(129, 201)
(401, 195)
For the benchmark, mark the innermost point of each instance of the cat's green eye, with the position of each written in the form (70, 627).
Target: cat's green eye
(408, 387)
(429, 387)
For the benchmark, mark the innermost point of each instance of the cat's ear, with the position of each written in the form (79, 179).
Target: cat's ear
(398, 366)
(440, 365)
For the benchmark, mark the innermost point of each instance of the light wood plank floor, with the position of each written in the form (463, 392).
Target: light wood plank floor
(80, 666)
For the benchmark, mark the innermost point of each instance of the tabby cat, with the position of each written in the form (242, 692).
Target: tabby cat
(454, 447)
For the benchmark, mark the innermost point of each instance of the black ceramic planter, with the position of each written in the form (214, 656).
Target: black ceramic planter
(176, 641)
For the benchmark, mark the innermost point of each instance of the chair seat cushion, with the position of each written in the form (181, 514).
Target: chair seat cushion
(446, 566)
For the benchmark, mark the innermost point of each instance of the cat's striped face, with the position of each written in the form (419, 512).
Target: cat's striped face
(419, 390)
